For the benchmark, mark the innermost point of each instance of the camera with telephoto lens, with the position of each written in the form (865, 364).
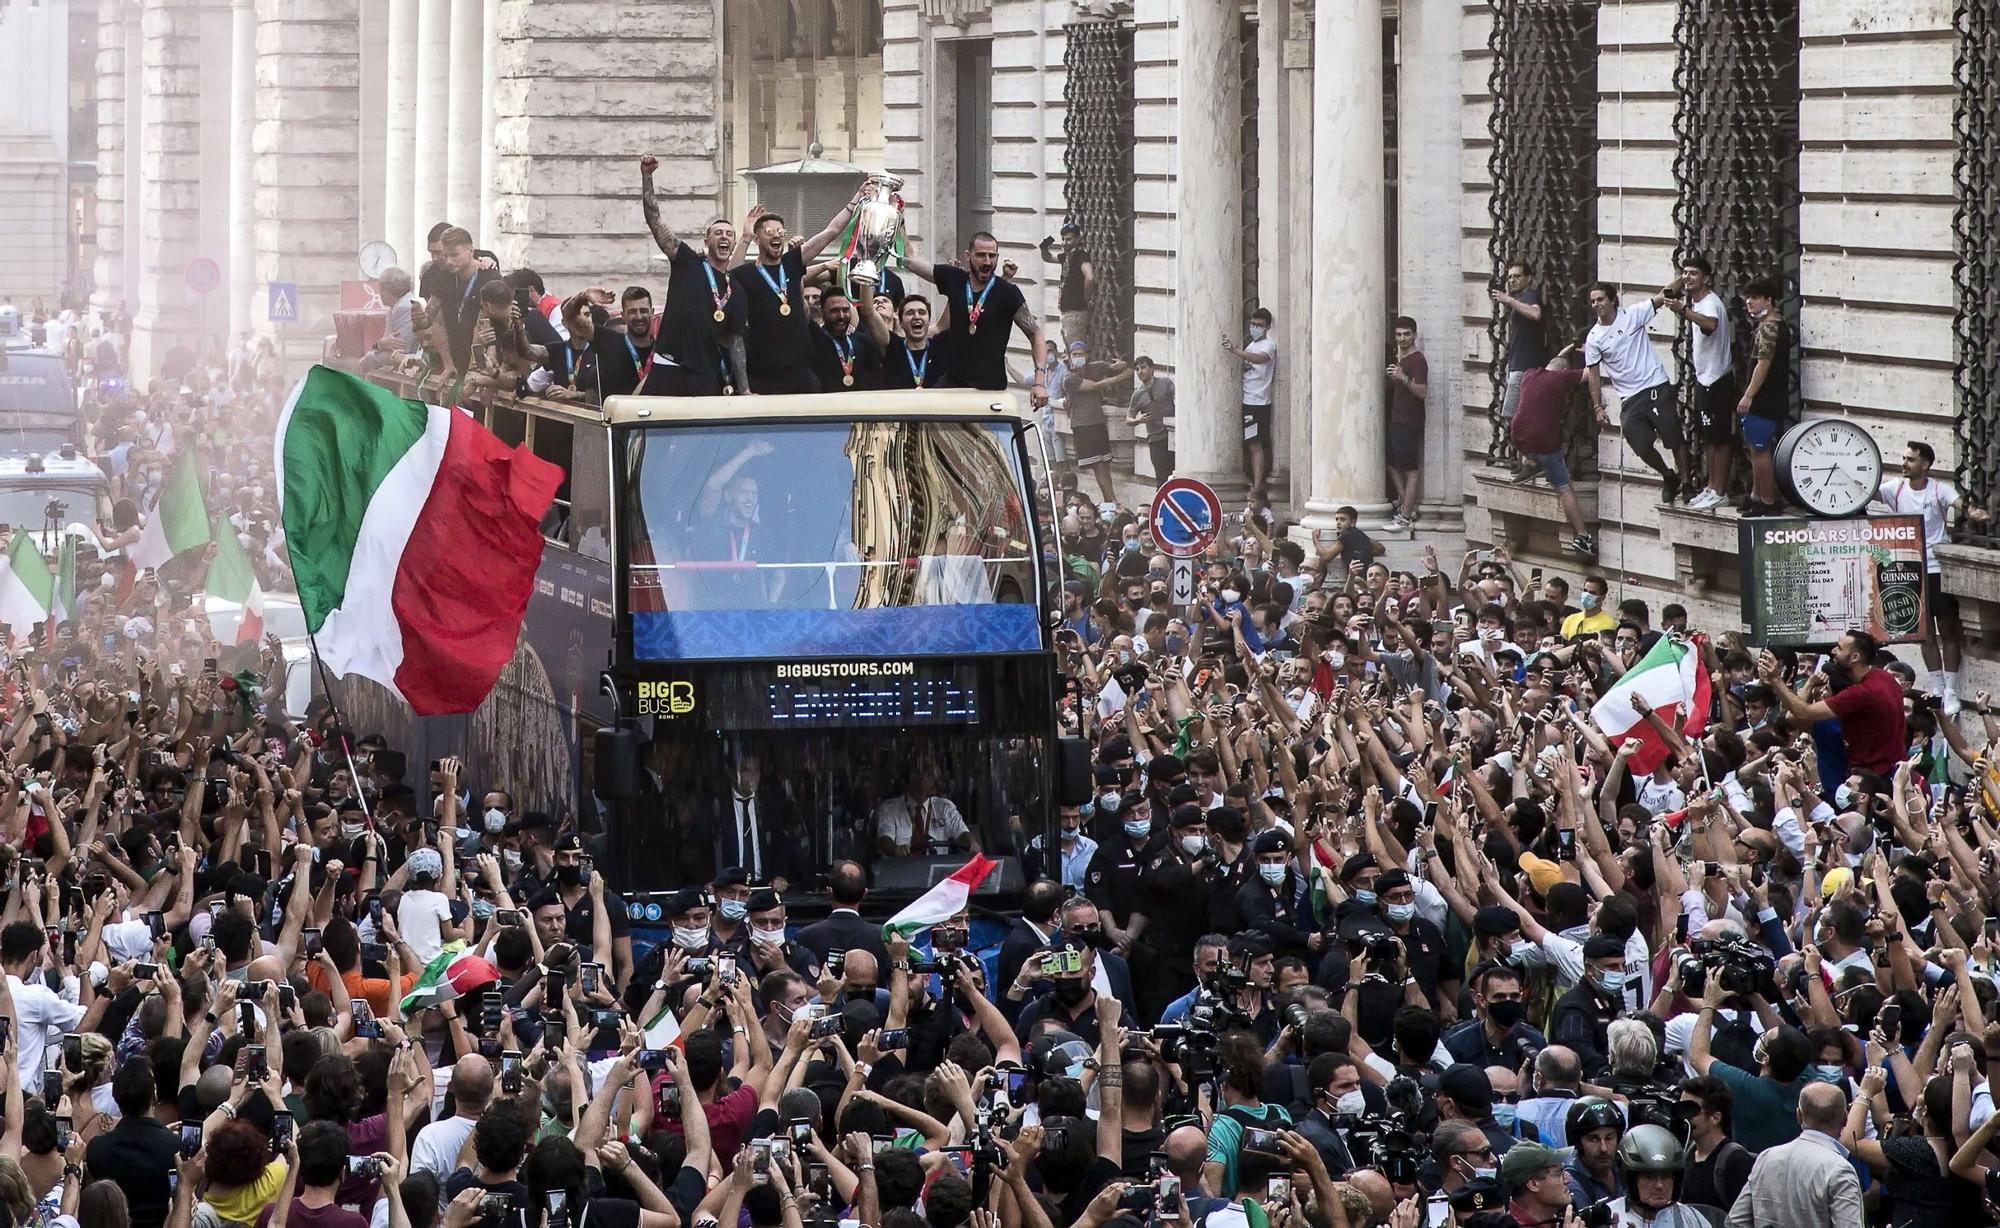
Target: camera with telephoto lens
(944, 963)
(1739, 965)
(1295, 1016)
(1596, 1215)
(1395, 1141)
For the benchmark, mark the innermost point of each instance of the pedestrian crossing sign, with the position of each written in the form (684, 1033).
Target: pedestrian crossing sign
(283, 302)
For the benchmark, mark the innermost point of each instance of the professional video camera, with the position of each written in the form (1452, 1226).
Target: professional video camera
(1395, 1141)
(1740, 966)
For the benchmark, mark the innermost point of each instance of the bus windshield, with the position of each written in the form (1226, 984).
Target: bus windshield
(828, 539)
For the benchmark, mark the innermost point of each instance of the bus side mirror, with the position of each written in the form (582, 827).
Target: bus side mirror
(1074, 778)
(617, 763)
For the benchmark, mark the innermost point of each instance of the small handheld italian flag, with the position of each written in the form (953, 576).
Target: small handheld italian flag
(180, 519)
(942, 902)
(1671, 679)
(453, 974)
(231, 579)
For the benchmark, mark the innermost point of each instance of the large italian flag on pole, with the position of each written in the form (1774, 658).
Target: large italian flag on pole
(942, 902)
(231, 579)
(180, 519)
(27, 588)
(1671, 678)
(414, 534)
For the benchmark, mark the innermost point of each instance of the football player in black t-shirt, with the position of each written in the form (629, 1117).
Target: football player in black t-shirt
(775, 342)
(984, 309)
(914, 359)
(702, 308)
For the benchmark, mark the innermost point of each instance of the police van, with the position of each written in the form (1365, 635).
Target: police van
(39, 411)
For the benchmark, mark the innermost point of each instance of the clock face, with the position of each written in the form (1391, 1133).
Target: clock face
(376, 258)
(1831, 465)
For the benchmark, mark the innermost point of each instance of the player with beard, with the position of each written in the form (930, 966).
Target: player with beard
(630, 361)
(915, 359)
(774, 346)
(703, 309)
(845, 358)
(985, 308)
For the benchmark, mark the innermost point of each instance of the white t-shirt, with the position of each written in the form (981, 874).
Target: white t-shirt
(418, 916)
(1623, 353)
(1259, 376)
(438, 1144)
(45, 1017)
(1932, 502)
(942, 822)
(1711, 350)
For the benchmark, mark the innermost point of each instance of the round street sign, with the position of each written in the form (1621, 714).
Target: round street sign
(203, 275)
(1186, 517)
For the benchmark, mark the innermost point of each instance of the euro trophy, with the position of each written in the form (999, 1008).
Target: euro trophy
(876, 220)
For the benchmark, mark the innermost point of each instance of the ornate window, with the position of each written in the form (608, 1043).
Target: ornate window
(1543, 167)
(1097, 165)
(1976, 275)
(1736, 167)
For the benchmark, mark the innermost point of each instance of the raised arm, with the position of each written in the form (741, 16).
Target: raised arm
(663, 234)
(814, 245)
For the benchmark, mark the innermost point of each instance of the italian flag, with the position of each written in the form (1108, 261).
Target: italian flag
(942, 902)
(414, 535)
(231, 579)
(66, 608)
(453, 974)
(179, 521)
(28, 587)
(665, 1030)
(1671, 678)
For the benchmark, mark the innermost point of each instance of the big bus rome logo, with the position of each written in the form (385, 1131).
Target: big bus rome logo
(668, 699)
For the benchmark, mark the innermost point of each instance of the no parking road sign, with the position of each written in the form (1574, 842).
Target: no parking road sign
(1186, 517)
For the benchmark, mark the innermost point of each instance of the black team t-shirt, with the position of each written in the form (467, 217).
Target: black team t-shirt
(621, 362)
(904, 368)
(688, 328)
(856, 354)
(776, 342)
(978, 351)
(1072, 296)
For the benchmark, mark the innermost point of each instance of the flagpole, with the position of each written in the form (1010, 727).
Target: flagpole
(1687, 704)
(340, 728)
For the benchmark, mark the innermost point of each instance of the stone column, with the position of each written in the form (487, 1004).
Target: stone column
(167, 315)
(489, 159)
(1349, 409)
(308, 158)
(428, 176)
(1295, 334)
(246, 303)
(399, 154)
(463, 114)
(108, 274)
(550, 127)
(1208, 426)
(1429, 193)
(1275, 265)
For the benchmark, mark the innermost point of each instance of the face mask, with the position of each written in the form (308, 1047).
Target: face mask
(1351, 1102)
(1256, 332)
(1132, 545)
(1506, 1014)
(1337, 660)
(569, 876)
(1365, 898)
(511, 858)
(1478, 1173)
(482, 909)
(352, 831)
(1069, 993)
(1525, 954)
(1400, 914)
(1490, 634)
(734, 910)
(1270, 874)
(1108, 802)
(1588, 601)
(1069, 835)
(1506, 1114)
(1611, 983)
(1125, 656)
(1231, 596)
(461, 834)
(1842, 797)
(774, 937)
(1139, 829)
(496, 820)
(1831, 1074)
(1174, 645)
(690, 939)
(1193, 844)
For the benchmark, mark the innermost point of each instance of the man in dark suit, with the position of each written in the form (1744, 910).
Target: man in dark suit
(844, 929)
(752, 826)
(1081, 920)
(466, 277)
(1032, 930)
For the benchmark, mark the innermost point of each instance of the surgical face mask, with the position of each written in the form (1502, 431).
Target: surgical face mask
(690, 939)
(1365, 897)
(1125, 656)
(1830, 1073)
(1337, 660)
(1490, 634)
(511, 858)
(1588, 600)
(734, 910)
(482, 909)
(1525, 954)
(1477, 1172)
(496, 819)
(1108, 802)
(352, 831)
(1351, 1102)
(1843, 797)
(1231, 596)
(775, 937)
(1193, 844)
(1612, 983)
(1256, 332)
(1138, 829)
(1400, 914)
(1069, 834)
(1506, 1115)
(1270, 874)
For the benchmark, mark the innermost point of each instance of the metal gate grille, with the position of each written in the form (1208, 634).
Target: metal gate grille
(1976, 275)
(1097, 165)
(1247, 164)
(1543, 168)
(1736, 168)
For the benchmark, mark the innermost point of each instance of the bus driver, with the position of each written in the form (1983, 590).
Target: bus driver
(911, 824)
